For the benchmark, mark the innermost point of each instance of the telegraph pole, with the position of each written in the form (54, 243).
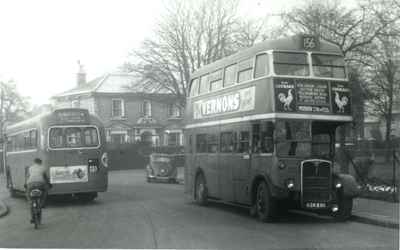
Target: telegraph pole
(3, 143)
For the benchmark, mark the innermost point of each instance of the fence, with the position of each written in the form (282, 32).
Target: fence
(375, 166)
(136, 156)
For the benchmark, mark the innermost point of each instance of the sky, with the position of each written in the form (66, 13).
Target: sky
(42, 40)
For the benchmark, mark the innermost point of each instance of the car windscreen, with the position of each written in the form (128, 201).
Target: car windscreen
(73, 137)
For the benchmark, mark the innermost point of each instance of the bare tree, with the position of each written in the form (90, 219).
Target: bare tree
(13, 107)
(382, 65)
(190, 35)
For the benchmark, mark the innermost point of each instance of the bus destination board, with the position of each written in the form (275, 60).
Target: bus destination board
(71, 116)
(311, 96)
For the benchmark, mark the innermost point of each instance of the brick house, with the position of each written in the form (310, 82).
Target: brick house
(130, 111)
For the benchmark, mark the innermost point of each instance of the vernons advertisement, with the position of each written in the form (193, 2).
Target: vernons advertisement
(236, 101)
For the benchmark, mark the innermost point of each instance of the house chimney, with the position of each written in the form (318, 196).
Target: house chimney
(81, 75)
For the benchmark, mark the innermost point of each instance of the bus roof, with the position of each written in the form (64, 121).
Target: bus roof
(289, 43)
(42, 118)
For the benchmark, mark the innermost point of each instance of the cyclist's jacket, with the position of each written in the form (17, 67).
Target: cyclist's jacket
(37, 173)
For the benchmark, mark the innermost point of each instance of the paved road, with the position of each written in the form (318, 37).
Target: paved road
(136, 214)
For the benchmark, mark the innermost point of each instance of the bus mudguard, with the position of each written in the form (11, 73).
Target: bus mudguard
(275, 191)
(348, 184)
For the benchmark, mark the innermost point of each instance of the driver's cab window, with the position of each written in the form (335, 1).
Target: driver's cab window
(263, 137)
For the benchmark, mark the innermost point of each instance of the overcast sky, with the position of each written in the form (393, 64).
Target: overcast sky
(41, 40)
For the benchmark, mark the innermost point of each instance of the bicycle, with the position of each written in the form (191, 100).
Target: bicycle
(36, 206)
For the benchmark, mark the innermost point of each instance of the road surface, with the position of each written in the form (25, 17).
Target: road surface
(136, 214)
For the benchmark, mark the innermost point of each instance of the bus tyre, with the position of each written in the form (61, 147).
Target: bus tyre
(200, 192)
(11, 190)
(345, 206)
(87, 197)
(265, 205)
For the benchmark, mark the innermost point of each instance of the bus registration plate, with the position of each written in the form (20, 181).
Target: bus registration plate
(69, 174)
(315, 205)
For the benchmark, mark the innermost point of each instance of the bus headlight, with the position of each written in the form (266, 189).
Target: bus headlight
(104, 159)
(290, 183)
(338, 184)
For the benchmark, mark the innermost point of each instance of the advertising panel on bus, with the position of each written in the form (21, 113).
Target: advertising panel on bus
(314, 96)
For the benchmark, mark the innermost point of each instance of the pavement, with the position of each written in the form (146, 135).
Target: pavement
(137, 214)
(376, 212)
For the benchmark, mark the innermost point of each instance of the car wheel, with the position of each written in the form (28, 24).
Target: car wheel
(200, 193)
(265, 205)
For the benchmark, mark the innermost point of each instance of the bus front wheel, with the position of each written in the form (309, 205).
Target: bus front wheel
(345, 205)
(200, 193)
(265, 204)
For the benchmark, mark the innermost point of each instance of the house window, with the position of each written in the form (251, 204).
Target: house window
(118, 138)
(146, 108)
(118, 108)
(75, 104)
(174, 139)
(174, 111)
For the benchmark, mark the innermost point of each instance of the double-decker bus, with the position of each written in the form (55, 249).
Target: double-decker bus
(71, 145)
(260, 129)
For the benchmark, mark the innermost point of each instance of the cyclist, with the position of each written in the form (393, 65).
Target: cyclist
(37, 178)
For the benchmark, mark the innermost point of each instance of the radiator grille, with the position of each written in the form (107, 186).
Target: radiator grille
(316, 181)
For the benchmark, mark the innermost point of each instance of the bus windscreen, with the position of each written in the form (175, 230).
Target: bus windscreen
(328, 66)
(295, 138)
(73, 137)
(294, 64)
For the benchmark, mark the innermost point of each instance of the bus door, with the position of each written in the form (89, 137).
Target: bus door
(262, 148)
(227, 159)
(241, 166)
(207, 160)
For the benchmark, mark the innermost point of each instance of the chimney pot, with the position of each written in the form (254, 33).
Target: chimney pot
(81, 75)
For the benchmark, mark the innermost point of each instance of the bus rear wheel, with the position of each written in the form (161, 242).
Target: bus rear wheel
(11, 190)
(200, 192)
(87, 197)
(265, 205)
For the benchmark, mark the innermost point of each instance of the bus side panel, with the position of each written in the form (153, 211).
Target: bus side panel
(226, 162)
(18, 162)
(189, 162)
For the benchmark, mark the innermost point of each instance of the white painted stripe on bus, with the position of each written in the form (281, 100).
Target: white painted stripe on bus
(270, 116)
(23, 151)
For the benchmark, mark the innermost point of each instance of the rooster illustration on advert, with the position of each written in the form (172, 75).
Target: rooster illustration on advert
(286, 100)
(341, 102)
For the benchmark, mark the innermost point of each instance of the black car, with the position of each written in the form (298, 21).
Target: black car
(160, 168)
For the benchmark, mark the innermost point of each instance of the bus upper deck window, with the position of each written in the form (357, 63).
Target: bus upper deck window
(245, 69)
(261, 65)
(195, 87)
(216, 80)
(204, 84)
(286, 63)
(328, 66)
(230, 75)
